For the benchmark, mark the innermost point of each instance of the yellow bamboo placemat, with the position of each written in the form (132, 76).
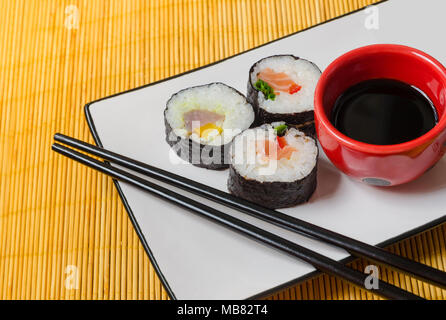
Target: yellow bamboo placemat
(64, 233)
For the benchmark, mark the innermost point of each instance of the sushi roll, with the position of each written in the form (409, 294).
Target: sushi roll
(281, 88)
(274, 166)
(200, 123)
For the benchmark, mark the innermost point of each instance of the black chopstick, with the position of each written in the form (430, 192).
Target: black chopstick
(355, 247)
(319, 261)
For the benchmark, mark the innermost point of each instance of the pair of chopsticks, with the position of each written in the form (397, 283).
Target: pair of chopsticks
(321, 262)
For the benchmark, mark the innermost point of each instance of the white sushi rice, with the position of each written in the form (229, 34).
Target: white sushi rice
(216, 97)
(250, 165)
(302, 72)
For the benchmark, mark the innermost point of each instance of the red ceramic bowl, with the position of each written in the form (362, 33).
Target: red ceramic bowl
(378, 164)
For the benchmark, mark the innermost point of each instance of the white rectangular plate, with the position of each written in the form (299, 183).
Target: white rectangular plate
(196, 259)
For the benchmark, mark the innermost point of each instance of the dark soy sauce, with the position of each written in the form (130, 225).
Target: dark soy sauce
(383, 112)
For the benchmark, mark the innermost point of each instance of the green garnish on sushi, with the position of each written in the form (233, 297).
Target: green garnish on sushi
(266, 89)
(281, 130)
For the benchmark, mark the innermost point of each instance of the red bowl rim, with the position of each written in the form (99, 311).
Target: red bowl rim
(366, 147)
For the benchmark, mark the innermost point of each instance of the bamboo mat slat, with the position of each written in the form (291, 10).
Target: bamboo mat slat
(56, 215)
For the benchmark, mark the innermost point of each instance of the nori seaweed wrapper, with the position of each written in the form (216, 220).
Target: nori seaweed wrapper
(304, 121)
(308, 128)
(198, 154)
(273, 195)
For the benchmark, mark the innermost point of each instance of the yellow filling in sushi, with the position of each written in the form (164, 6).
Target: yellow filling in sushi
(208, 130)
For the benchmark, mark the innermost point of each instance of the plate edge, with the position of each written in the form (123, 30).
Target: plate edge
(410, 233)
(232, 56)
(404, 236)
(135, 224)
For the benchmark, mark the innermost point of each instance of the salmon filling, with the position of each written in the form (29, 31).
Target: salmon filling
(275, 150)
(279, 81)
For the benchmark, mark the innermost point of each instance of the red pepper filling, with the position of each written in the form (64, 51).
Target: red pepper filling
(281, 142)
(294, 88)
